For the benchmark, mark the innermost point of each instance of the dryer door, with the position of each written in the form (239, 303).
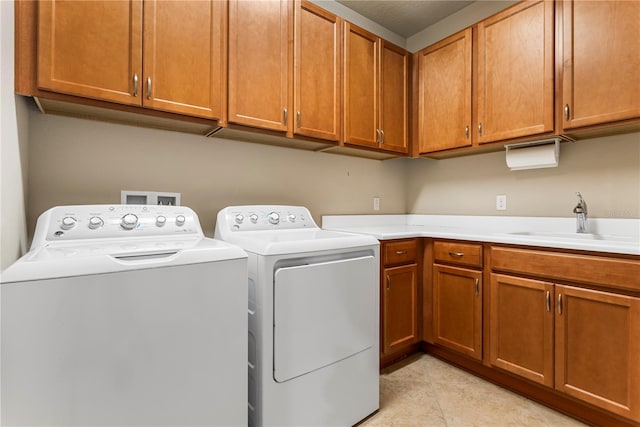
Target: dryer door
(323, 313)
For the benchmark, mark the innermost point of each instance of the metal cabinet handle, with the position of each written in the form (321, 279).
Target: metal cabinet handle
(566, 111)
(388, 282)
(480, 129)
(559, 303)
(456, 254)
(377, 136)
(285, 116)
(382, 136)
(466, 132)
(299, 118)
(149, 87)
(548, 301)
(135, 84)
(401, 252)
(476, 287)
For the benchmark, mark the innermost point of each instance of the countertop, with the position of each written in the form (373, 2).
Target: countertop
(619, 236)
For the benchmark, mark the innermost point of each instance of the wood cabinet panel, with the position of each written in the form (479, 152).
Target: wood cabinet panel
(317, 72)
(444, 116)
(458, 253)
(394, 101)
(515, 72)
(258, 63)
(91, 49)
(399, 252)
(596, 349)
(183, 57)
(361, 86)
(457, 298)
(521, 327)
(601, 59)
(400, 304)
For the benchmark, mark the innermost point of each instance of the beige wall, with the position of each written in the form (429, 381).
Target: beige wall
(75, 161)
(605, 170)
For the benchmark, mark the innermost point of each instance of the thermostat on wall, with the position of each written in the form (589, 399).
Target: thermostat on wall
(149, 198)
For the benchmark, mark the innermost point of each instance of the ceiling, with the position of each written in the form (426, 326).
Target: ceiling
(405, 17)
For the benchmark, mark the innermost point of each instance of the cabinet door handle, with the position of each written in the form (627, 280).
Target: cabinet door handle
(381, 136)
(135, 84)
(377, 136)
(456, 254)
(548, 301)
(286, 115)
(388, 282)
(299, 118)
(466, 132)
(149, 87)
(566, 111)
(476, 287)
(480, 129)
(559, 303)
(402, 252)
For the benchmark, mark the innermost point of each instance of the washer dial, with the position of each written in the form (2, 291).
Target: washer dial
(129, 221)
(68, 223)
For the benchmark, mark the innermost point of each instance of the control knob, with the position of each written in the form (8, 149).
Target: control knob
(292, 218)
(161, 220)
(95, 222)
(239, 218)
(129, 221)
(274, 218)
(253, 218)
(68, 223)
(180, 220)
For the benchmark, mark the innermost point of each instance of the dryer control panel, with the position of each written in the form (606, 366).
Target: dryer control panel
(265, 217)
(114, 221)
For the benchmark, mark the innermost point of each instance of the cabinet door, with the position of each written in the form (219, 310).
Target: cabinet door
(361, 87)
(91, 49)
(394, 77)
(317, 72)
(444, 115)
(597, 349)
(258, 63)
(515, 72)
(457, 298)
(183, 56)
(601, 59)
(521, 327)
(399, 307)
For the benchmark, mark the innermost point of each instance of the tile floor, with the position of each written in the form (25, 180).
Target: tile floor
(428, 392)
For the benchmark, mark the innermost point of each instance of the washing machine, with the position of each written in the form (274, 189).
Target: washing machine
(123, 315)
(313, 317)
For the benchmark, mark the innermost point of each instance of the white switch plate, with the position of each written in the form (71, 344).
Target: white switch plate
(501, 202)
(376, 203)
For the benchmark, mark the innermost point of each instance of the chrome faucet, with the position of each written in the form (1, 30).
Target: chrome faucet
(581, 215)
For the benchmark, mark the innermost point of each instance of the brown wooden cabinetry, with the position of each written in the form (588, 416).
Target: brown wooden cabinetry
(600, 62)
(317, 71)
(259, 63)
(399, 311)
(375, 92)
(457, 297)
(582, 342)
(161, 55)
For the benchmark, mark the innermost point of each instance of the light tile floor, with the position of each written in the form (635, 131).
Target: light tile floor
(428, 392)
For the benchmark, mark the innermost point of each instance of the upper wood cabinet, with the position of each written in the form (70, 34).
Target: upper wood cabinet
(95, 49)
(259, 34)
(600, 62)
(444, 94)
(91, 49)
(515, 72)
(375, 91)
(317, 70)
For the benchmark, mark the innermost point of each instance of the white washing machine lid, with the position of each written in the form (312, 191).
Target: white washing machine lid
(102, 256)
(282, 242)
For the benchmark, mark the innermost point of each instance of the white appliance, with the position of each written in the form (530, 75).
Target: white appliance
(124, 315)
(313, 317)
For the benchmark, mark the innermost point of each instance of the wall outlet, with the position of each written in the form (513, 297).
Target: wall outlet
(149, 198)
(376, 203)
(501, 202)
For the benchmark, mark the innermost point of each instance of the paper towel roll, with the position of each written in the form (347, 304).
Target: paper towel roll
(542, 154)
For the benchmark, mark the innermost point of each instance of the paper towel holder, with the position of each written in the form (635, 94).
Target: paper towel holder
(543, 153)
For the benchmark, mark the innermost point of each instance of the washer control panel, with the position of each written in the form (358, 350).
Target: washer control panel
(265, 217)
(113, 221)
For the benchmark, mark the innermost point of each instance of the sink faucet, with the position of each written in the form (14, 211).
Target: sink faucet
(581, 215)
